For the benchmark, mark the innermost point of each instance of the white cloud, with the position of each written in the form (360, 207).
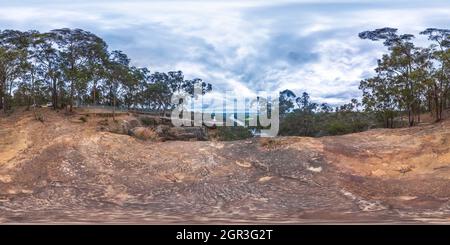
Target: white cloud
(241, 45)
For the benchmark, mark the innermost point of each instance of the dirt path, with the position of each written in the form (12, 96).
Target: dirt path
(70, 172)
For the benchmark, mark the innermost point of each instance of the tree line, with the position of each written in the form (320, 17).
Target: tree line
(409, 79)
(300, 116)
(74, 66)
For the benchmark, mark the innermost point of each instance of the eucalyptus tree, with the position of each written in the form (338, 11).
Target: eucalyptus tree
(76, 48)
(48, 61)
(13, 59)
(286, 103)
(398, 66)
(440, 80)
(175, 81)
(159, 91)
(118, 72)
(96, 68)
(306, 110)
(379, 97)
(131, 86)
(31, 69)
(143, 77)
(189, 86)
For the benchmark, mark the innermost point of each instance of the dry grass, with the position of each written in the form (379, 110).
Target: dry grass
(145, 133)
(271, 143)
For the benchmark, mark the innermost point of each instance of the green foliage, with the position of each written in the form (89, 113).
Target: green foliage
(233, 133)
(408, 78)
(337, 127)
(323, 124)
(68, 66)
(65, 66)
(311, 119)
(148, 121)
(38, 115)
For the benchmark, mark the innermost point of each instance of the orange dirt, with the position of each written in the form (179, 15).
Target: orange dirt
(64, 170)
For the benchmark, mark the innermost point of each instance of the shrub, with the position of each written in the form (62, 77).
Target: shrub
(9, 112)
(103, 122)
(233, 133)
(144, 133)
(147, 121)
(337, 128)
(39, 116)
(270, 143)
(324, 124)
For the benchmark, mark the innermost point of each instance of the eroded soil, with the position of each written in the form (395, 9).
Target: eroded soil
(65, 171)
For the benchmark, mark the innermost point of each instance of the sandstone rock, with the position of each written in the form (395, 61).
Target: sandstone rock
(181, 133)
(125, 127)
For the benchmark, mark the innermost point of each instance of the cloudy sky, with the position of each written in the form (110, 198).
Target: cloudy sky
(242, 45)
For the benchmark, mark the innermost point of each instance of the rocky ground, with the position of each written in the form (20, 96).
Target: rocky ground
(64, 170)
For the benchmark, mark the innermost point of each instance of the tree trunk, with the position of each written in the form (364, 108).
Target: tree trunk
(54, 94)
(114, 108)
(10, 88)
(411, 117)
(429, 102)
(5, 97)
(28, 102)
(33, 95)
(1, 94)
(94, 88)
(386, 121)
(71, 96)
(436, 104)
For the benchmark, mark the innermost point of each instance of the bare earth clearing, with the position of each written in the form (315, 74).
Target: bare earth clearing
(65, 171)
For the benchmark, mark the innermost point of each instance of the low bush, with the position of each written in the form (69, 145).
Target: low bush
(147, 121)
(144, 133)
(232, 133)
(270, 143)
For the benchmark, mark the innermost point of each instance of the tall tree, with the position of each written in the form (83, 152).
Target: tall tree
(76, 47)
(48, 60)
(119, 73)
(13, 59)
(399, 66)
(440, 80)
(286, 103)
